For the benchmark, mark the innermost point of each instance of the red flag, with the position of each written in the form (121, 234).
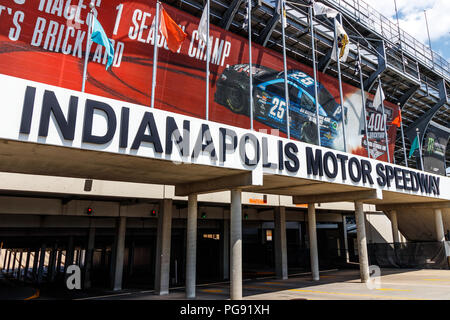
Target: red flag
(172, 32)
(398, 121)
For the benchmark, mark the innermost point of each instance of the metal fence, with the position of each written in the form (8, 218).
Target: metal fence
(372, 19)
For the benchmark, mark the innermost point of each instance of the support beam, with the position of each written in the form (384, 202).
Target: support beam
(228, 16)
(219, 184)
(418, 205)
(120, 251)
(394, 223)
(35, 264)
(162, 265)
(423, 121)
(191, 246)
(236, 245)
(381, 56)
(440, 233)
(281, 264)
(313, 252)
(362, 242)
(270, 26)
(19, 267)
(395, 231)
(339, 197)
(408, 94)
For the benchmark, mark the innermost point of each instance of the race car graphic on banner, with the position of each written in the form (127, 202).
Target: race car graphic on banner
(45, 41)
(270, 103)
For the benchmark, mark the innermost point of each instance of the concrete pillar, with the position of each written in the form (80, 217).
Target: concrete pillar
(281, 266)
(41, 263)
(394, 222)
(226, 249)
(52, 262)
(344, 226)
(162, 265)
(27, 265)
(120, 250)
(440, 234)
(236, 245)
(89, 256)
(191, 246)
(362, 242)
(313, 252)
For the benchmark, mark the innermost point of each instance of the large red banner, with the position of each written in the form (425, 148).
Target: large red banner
(45, 41)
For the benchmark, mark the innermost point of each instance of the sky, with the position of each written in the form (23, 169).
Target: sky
(412, 20)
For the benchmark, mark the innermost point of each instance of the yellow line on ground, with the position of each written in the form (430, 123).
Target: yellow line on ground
(34, 296)
(439, 280)
(354, 294)
(262, 288)
(212, 290)
(391, 289)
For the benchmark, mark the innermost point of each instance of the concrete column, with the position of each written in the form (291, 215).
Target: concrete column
(162, 266)
(226, 249)
(362, 242)
(394, 222)
(236, 245)
(344, 226)
(52, 262)
(281, 266)
(89, 256)
(191, 246)
(120, 250)
(41, 263)
(313, 252)
(440, 234)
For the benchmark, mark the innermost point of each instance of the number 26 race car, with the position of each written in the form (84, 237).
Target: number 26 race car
(270, 103)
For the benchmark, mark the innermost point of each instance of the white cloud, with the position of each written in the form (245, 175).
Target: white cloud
(412, 18)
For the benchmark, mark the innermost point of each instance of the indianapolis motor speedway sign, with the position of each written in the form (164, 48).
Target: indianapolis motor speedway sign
(43, 114)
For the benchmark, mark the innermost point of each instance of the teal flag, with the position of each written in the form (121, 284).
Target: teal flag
(414, 146)
(99, 36)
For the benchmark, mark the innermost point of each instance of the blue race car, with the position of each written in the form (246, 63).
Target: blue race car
(270, 104)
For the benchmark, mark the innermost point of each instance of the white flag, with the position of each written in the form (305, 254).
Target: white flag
(321, 9)
(376, 99)
(203, 25)
(343, 43)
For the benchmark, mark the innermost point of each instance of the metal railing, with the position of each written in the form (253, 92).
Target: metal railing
(371, 18)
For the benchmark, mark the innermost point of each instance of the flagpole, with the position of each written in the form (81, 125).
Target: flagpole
(340, 84)
(384, 119)
(286, 90)
(207, 62)
(250, 60)
(420, 148)
(316, 96)
(403, 135)
(88, 47)
(155, 52)
(361, 80)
